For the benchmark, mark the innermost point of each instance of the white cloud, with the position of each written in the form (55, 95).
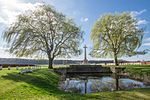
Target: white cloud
(146, 32)
(147, 39)
(3, 48)
(134, 14)
(137, 13)
(9, 9)
(146, 44)
(84, 19)
(5, 54)
(142, 22)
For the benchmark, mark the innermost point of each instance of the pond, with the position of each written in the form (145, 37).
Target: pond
(92, 84)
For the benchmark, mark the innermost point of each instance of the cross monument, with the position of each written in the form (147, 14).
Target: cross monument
(85, 59)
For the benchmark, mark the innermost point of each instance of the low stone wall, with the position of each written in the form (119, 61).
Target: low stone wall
(143, 77)
(88, 69)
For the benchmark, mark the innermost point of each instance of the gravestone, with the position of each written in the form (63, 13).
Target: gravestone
(1, 67)
(8, 67)
(17, 68)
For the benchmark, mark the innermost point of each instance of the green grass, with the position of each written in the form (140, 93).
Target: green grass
(138, 69)
(42, 85)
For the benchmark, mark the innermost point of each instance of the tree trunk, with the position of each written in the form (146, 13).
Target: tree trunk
(117, 82)
(116, 60)
(50, 64)
(116, 73)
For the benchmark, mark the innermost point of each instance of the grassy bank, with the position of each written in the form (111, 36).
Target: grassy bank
(42, 85)
(138, 69)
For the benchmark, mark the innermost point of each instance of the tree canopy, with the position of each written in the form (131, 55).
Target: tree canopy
(116, 35)
(43, 32)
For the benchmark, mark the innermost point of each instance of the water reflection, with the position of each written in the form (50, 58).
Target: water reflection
(97, 84)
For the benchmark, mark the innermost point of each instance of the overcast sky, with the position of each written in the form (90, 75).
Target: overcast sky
(84, 13)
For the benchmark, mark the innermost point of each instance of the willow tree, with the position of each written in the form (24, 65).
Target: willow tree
(116, 35)
(43, 32)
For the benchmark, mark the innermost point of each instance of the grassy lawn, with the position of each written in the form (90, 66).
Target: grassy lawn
(42, 85)
(138, 69)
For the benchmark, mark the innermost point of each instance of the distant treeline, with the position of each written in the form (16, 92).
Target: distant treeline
(32, 62)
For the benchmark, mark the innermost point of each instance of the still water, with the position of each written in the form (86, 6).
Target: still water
(98, 84)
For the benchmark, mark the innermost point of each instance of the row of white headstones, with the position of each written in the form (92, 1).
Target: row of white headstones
(24, 70)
